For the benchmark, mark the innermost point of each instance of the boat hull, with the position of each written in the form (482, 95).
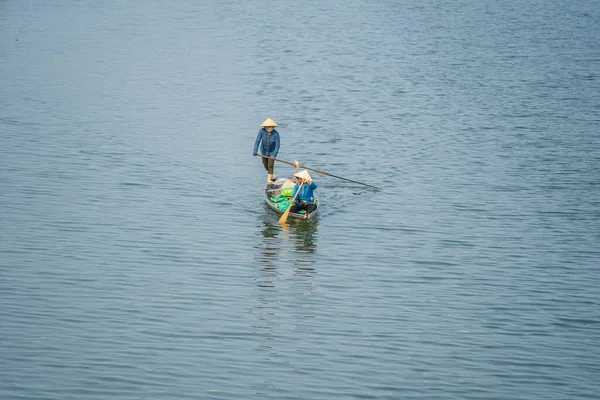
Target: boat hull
(272, 190)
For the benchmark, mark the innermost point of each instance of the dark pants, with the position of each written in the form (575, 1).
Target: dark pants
(268, 163)
(309, 207)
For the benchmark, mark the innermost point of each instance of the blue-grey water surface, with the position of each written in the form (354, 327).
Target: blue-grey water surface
(137, 260)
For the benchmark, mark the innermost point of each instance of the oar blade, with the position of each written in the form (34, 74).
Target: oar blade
(284, 217)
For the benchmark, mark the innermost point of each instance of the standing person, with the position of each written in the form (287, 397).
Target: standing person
(268, 139)
(305, 199)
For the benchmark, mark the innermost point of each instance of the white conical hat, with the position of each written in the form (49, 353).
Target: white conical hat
(269, 122)
(304, 175)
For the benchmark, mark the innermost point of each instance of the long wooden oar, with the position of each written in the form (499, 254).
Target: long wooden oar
(287, 212)
(321, 172)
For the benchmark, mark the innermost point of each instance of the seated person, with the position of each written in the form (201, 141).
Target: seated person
(305, 199)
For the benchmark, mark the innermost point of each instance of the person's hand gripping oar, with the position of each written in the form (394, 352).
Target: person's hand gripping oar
(287, 212)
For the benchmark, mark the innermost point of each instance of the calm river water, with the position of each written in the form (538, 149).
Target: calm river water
(137, 260)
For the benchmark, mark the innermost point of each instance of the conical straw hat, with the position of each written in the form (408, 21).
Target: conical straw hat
(269, 122)
(304, 175)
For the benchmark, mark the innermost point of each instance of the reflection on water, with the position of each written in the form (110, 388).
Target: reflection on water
(302, 233)
(299, 234)
(293, 244)
(285, 256)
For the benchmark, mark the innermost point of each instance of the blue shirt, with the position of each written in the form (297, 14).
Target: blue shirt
(269, 144)
(306, 193)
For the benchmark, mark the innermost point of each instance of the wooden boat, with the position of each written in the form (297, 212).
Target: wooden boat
(281, 182)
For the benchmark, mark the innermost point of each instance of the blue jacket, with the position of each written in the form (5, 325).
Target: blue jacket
(306, 193)
(269, 144)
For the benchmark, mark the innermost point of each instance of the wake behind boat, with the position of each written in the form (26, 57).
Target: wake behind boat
(279, 194)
